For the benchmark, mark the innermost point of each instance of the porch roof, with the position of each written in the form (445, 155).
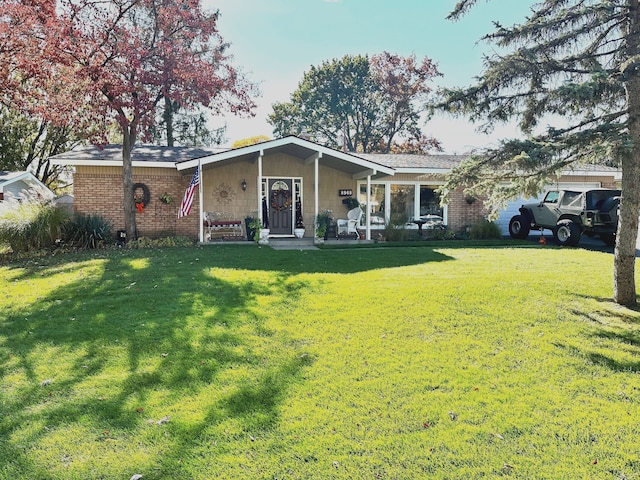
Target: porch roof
(305, 150)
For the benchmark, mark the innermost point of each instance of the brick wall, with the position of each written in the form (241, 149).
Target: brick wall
(464, 210)
(99, 191)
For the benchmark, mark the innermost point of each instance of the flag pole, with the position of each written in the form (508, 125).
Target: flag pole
(200, 197)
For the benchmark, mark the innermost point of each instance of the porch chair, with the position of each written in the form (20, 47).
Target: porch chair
(350, 224)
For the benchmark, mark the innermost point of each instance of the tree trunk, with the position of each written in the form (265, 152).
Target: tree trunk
(128, 141)
(168, 120)
(624, 287)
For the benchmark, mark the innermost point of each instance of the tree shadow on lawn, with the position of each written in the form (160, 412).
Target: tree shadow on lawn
(343, 261)
(99, 351)
(347, 260)
(614, 329)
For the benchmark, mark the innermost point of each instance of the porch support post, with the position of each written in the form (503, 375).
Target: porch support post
(368, 214)
(316, 193)
(200, 206)
(259, 189)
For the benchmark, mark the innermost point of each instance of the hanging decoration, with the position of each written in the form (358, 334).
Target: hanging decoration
(224, 194)
(141, 196)
(280, 199)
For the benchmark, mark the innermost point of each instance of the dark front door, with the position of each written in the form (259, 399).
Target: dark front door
(281, 202)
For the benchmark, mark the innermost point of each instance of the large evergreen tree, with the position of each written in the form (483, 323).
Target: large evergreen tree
(573, 64)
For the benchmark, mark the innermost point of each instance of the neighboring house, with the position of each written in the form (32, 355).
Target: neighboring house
(21, 185)
(269, 180)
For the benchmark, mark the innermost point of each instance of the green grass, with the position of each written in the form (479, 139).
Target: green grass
(375, 363)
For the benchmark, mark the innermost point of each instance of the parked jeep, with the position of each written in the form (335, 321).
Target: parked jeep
(569, 214)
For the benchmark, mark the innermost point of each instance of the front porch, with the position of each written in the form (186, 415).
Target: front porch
(282, 184)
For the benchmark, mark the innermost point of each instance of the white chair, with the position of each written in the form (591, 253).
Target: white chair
(350, 224)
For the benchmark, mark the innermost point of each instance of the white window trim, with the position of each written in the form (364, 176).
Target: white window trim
(416, 201)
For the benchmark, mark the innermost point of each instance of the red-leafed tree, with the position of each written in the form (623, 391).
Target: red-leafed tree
(118, 59)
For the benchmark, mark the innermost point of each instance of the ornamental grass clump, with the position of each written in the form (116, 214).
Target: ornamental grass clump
(31, 225)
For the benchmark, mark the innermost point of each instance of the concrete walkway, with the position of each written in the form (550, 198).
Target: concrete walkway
(293, 243)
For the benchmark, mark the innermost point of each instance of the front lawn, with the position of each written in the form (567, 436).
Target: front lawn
(242, 362)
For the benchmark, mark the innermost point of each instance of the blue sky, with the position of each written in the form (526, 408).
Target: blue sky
(275, 41)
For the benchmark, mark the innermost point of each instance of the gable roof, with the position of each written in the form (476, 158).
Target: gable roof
(10, 182)
(305, 150)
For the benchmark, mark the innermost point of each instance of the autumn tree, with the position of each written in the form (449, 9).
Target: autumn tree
(574, 65)
(244, 142)
(360, 103)
(122, 58)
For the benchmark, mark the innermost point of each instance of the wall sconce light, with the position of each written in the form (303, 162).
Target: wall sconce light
(244, 185)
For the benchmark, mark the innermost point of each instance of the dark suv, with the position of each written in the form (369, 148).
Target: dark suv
(569, 214)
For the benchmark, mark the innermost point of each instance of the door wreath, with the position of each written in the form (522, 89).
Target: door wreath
(276, 195)
(141, 200)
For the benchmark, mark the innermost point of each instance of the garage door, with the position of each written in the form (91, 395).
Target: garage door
(512, 208)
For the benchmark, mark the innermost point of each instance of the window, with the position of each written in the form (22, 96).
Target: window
(552, 197)
(403, 198)
(377, 205)
(430, 201)
(400, 202)
(572, 199)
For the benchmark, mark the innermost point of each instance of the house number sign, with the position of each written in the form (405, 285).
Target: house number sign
(345, 192)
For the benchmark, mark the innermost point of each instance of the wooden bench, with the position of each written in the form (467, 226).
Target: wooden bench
(217, 227)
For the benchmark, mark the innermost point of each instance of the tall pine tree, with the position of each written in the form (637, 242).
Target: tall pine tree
(574, 64)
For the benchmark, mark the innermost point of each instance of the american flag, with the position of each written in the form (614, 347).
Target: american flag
(187, 201)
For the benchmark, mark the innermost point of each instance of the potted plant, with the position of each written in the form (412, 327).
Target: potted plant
(260, 231)
(323, 221)
(166, 198)
(249, 225)
(263, 236)
(253, 228)
(350, 203)
(321, 231)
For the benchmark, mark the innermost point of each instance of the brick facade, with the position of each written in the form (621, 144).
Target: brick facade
(464, 210)
(98, 190)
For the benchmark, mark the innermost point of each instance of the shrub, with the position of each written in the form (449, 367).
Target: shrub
(395, 231)
(31, 226)
(484, 230)
(88, 231)
(438, 234)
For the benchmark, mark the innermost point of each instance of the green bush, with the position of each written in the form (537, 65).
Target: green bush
(438, 234)
(31, 226)
(395, 231)
(484, 230)
(88, 231)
